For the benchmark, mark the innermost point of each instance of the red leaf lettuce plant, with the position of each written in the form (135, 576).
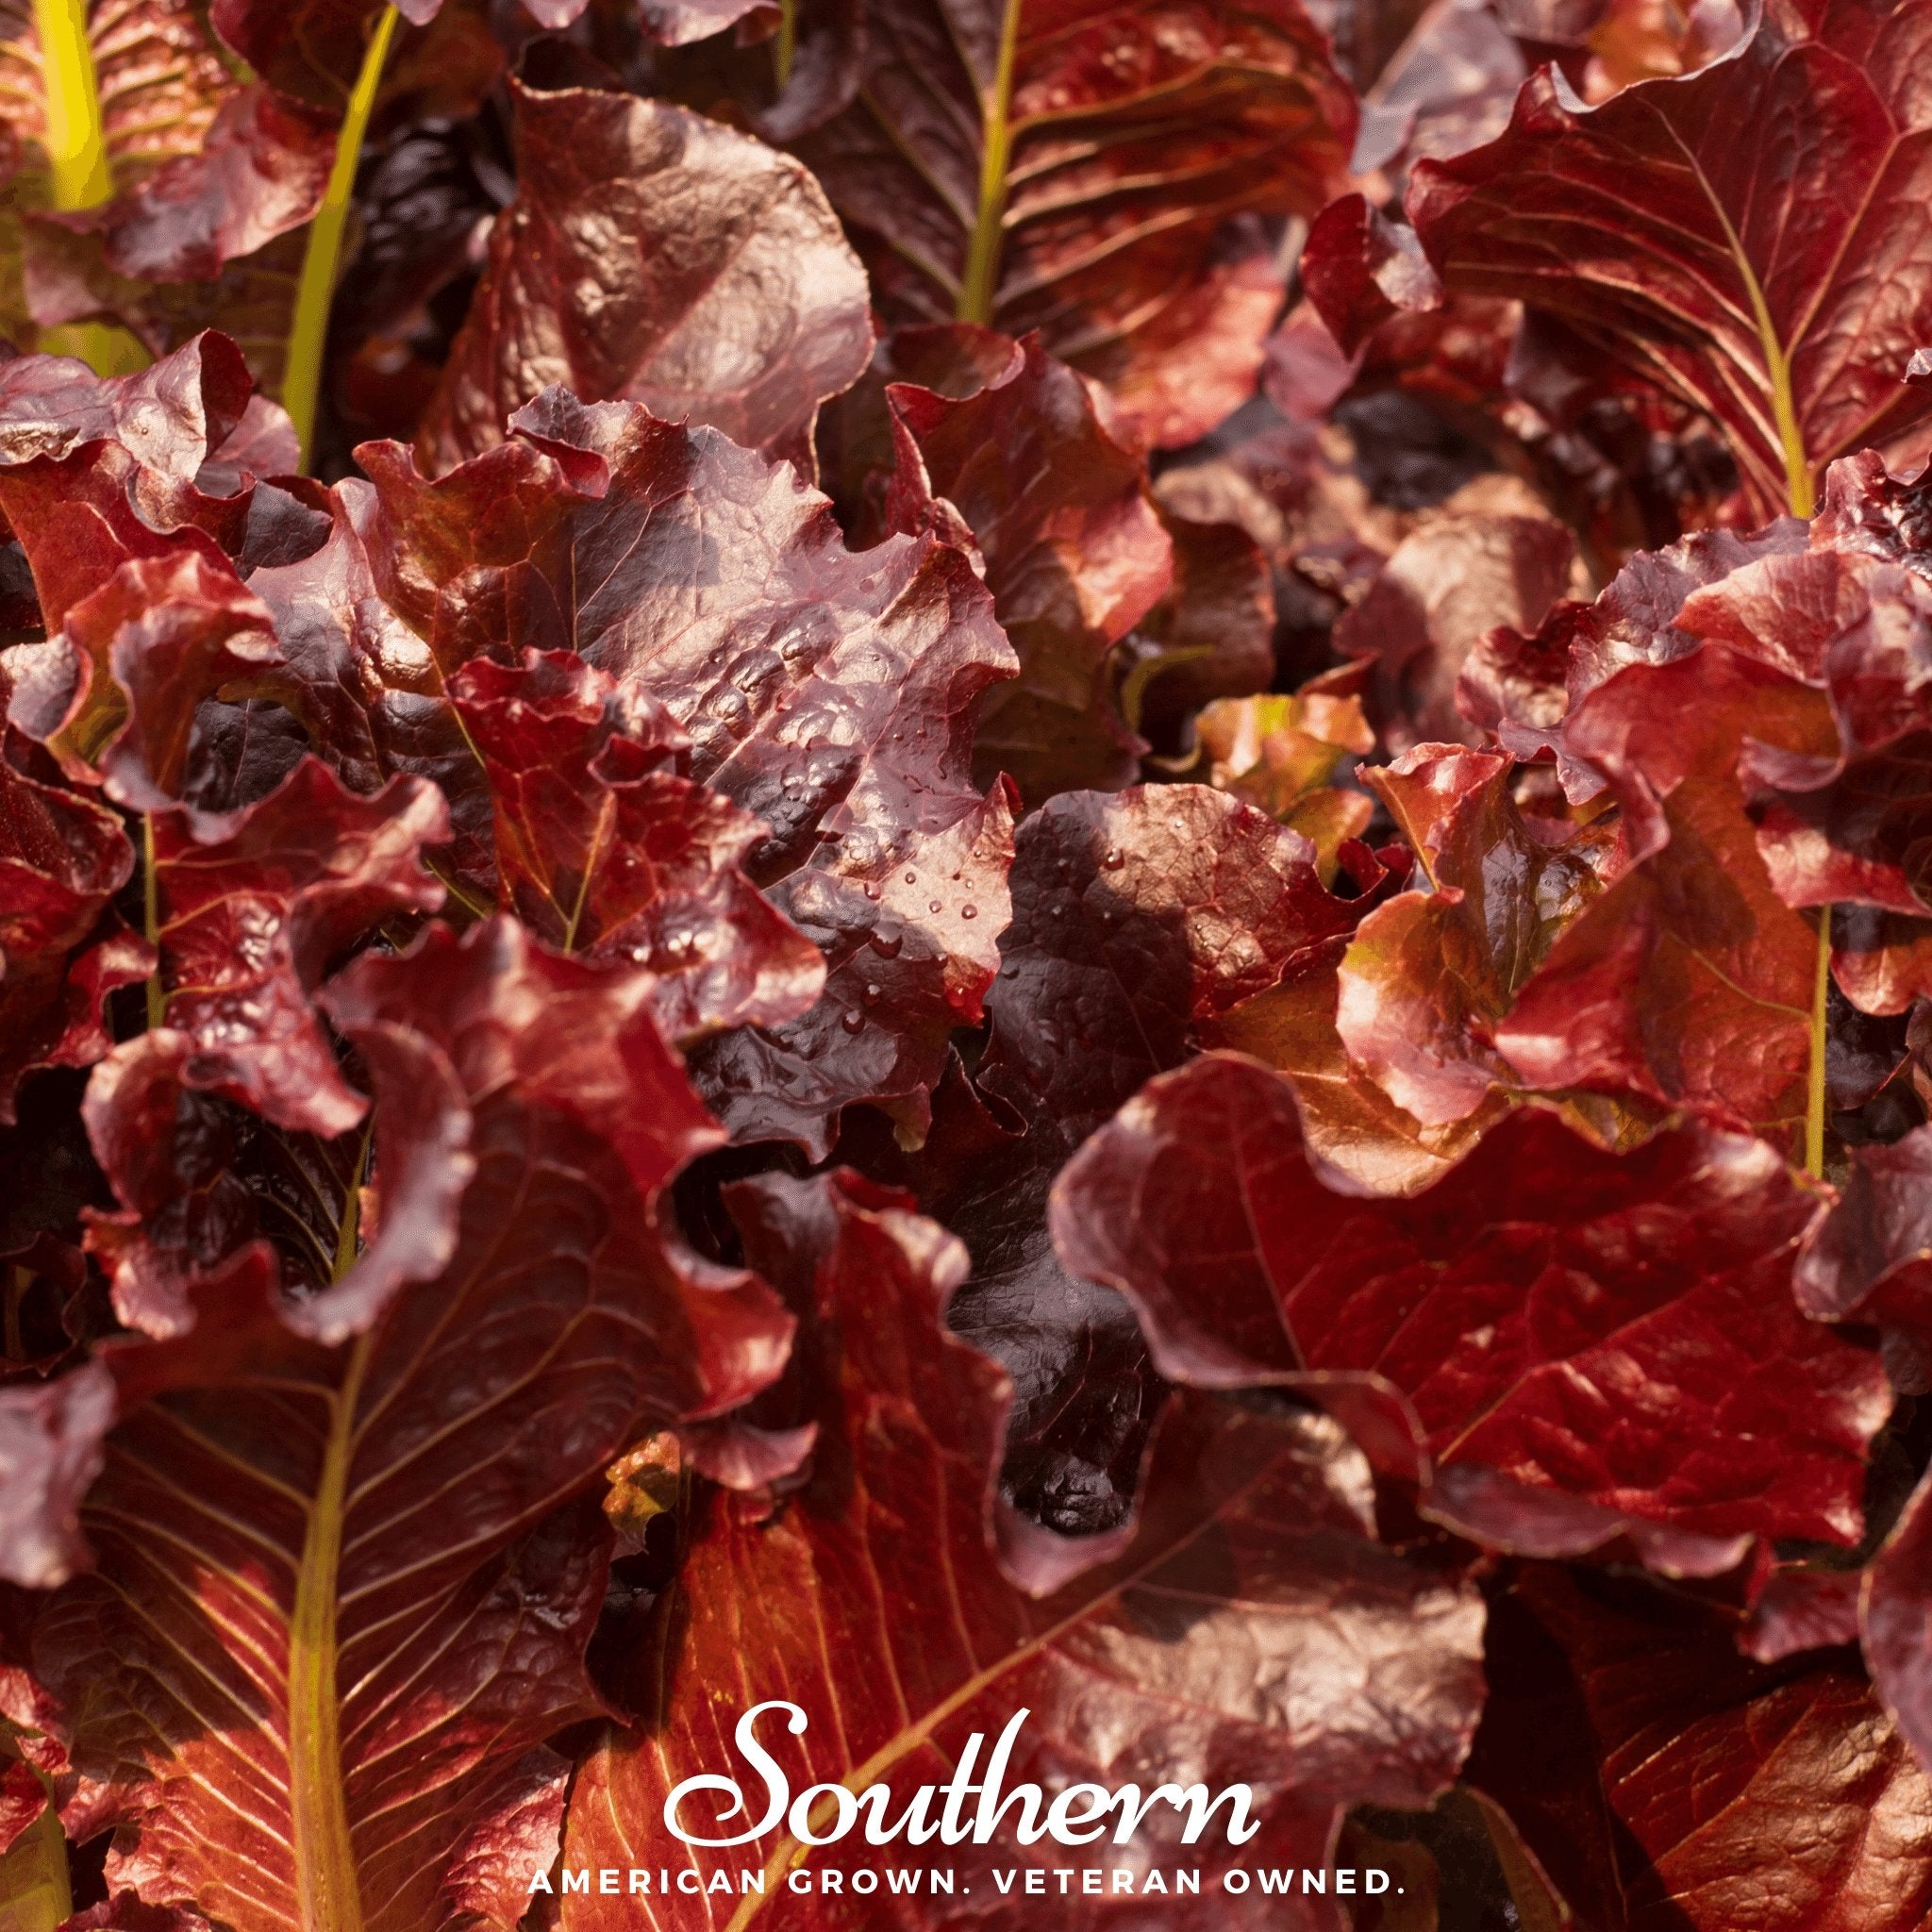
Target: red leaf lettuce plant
(927, 860)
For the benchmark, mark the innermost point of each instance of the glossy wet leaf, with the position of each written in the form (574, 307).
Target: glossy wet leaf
(1078, 172)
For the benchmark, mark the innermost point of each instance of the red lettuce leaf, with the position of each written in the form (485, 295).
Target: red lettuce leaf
(1136, 917)
(63, 860)
(1739, 239)
(1802, 1609)
(97, 471)
(1847, 824)
(1865, 1258)
(1893, 1621)
(1688, 982)
(1084, 1393)
(1083, 180)
(196, 1180)
(1074, 550)
(1212, 637)
(259, 172)
(830, 695)
(585, 532)
(1281, 753)
(391, 1604)
(22, 1799)
(1350, 1125)
(1449, 583)
(1449, 86)
(653, 257)
(1660, 1779)
(209, 238)
(1489, 1335)
(910, 952)
(602, 847)
(80, 517)
(172, 417)
(1360, 269)
(489, 1882)
(444, 61)
(1751, 707)
(1522, 688)
(147, 651)
(1427, 973)
(50, 1452)
(885, 1553)
(252, 911)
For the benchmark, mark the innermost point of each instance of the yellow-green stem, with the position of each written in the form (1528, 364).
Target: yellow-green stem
(1802, 503)
(785, 49)
(76, 146)
(325, 1874)
(981, 281)
(1814, 1093)
(325, 1877)
(35, 1895)
(77, 151)
(151, 923)
(321, 263)
(1800, 491)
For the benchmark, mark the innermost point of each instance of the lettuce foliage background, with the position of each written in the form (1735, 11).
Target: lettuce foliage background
(934, 856)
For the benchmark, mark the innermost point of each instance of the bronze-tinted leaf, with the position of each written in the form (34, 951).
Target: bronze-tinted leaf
(1281, 753)
(603, 847)
(1427, 973)
(1252, 1538)
(830, 695)
(1075, 553)
(1490, 1334)
(253, 910)
(62, 857)
(321, 1688)
(1662, 1780)
(1076, 171)
(653, 257)
(1736, 239)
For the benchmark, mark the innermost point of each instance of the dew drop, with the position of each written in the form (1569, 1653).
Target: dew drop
(911, 878)
(872, 891)
(886, 942)
(852, 1018)
(872, 993)
(969, 913)
(932, 904)
(1112, 861)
